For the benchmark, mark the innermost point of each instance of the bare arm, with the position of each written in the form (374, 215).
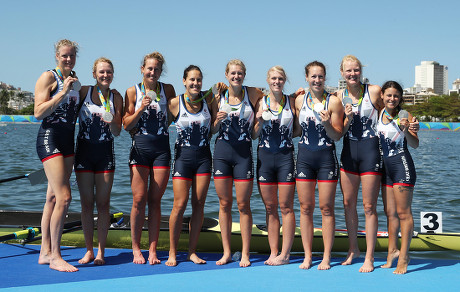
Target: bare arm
(44, 105)
(298, 106)
(115, 124)
(410, 132)
(258, 121)
(332, 118)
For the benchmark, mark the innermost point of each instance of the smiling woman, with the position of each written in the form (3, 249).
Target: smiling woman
(56, 102)
(100, 120)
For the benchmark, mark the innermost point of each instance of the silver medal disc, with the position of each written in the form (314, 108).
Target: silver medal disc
(403, 114)
(76, 85)
(318, 107)
(108, 117)
(266, 115)
(226, 108)
(214, 89)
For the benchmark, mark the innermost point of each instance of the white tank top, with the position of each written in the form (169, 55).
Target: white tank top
(314, 136)
(365, 118)
(192, 128)
(276, 133)
(92, 127)
(237, 127)
(392, 139)
(154, 119)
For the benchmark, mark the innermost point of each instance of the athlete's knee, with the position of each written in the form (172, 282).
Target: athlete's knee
(327, 210)
(370, 209)
(307, 209)
(244, 207)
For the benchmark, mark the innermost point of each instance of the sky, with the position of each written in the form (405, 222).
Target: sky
(389, 37)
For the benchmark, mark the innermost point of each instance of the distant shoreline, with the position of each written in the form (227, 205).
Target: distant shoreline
(25, 119)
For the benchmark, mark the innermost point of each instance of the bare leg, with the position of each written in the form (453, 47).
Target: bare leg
(327, 204)
(158, 183)
(370, 190)
(139, 183)
(403, 196)
(45, 250)
(104, 182)
(269, 196)
(181, 189)
(200, 188)
(243, 197)
(306, 193)
(224, 192)
(389, 204)
(286, 201)
(349, 184)
(86, 188)
(58, 171)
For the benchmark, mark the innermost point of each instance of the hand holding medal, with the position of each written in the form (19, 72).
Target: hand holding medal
(107, 115)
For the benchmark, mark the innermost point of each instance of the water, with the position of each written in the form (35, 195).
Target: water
(436, 160)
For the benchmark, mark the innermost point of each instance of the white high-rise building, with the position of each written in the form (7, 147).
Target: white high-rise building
(429, 74)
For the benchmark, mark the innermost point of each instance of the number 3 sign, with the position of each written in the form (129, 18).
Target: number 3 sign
(431, 222)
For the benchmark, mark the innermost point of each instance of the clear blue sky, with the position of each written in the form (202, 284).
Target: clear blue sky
(389, 37)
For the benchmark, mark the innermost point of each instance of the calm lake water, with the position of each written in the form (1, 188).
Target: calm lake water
(436, 160)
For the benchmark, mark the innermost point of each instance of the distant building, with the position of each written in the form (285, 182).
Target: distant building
(455, 87)
(430, 74)
(18, 99)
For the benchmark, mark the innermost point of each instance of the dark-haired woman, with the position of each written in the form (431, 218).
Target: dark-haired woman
(320, 120)
(396, 131)
(192, 116)
(146, 118)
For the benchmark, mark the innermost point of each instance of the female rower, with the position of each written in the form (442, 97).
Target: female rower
(100, 120)
(233, 157)
(360, 159)
(396, 130)
(192, 115)
(320, 123)
(56, 103)
(275, 163)
(146, 118)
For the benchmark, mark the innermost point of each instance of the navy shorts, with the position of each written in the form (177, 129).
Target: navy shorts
(52, 142)
(361, 157)
(399, 170)
(150, 152)
(191, 161)
(275, 168)
(233, 161)
(94, 157)
(321, 165)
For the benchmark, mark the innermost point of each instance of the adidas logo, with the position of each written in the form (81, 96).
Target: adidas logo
(218, 172)
(249, 174)
(177, 174)
(80, 166)
(289, 177)
(55, 151)
(302, 174)
(133, 162)
(261, 178)
(184, 115)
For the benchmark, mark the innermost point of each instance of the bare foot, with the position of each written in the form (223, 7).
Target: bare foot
(403, 263)
(195, 259)
(87, 258)
(306, 263)
(325, 264)
(280, 260)
(270, 259)
(172, 261)
(61, 265)
(99, 261)
(224, 260)
(390, 258)
(245, 262)
(367, 267)
(138, 257)
(44, 259)
(153, 258)
(350, 257)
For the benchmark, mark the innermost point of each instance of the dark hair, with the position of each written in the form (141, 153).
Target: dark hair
(315, 63)
(191, 68)
(395, 85)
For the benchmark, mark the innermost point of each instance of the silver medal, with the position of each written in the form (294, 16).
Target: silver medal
(108, 117)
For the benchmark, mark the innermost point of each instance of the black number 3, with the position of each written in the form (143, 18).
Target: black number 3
(433, 221)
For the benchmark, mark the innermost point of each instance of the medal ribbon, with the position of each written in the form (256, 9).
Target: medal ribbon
(144, 93)
(227, 100)
(361, 94)
(105, 102)
(312, 104)
(281, 105)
